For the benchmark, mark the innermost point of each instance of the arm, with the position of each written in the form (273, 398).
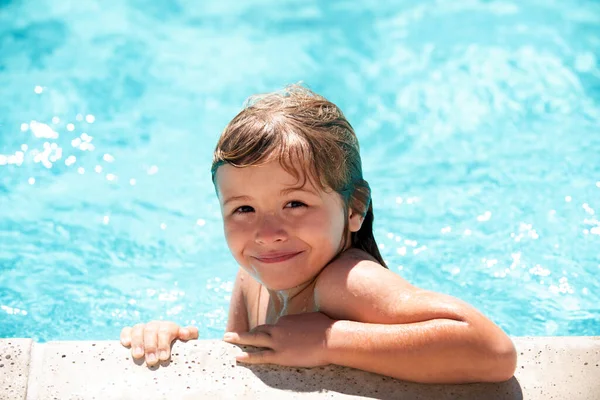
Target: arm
(435, 351)
(237, 320)
(406, 332)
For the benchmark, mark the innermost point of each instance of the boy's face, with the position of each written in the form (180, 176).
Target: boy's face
(281, 235)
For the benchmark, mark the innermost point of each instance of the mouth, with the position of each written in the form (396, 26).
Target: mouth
(276, 257)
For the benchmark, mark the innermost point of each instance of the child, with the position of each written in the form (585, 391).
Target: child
(312, 288)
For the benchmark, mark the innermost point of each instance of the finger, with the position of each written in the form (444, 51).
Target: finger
(252, 338)
(257, 357)
(137, 341)
(266, 328)
(188, 333)
(151, 343)
(126, 336)
(167, 333)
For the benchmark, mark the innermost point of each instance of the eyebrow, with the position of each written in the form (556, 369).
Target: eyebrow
(283, 192)
(297, 189)
(235, 198)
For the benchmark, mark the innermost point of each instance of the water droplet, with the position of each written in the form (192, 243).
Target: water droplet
(42, 130)
(38, 89)
(484, 217)
(419, 250)
(70, 161)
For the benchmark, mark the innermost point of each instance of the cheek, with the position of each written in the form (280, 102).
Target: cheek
(326, 227)
(235, 235)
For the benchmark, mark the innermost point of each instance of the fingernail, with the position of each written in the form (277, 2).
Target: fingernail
(139, 351)
(163, 355)
(228, 336)
(151, 357)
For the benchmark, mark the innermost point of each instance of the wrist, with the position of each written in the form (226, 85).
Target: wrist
(334, 341)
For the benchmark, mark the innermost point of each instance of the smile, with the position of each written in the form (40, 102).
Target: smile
(276, 257)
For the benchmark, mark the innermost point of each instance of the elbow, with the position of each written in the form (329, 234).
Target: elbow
(508, 357)
(501, 362)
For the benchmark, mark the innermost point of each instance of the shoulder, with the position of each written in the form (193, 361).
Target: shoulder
(356, 287)
(355, 268)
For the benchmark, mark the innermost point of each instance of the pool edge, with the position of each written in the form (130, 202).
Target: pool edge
(548, 367)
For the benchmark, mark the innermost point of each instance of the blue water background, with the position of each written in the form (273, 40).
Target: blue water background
(479, 123)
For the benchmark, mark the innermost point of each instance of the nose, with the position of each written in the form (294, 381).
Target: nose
(270, 230)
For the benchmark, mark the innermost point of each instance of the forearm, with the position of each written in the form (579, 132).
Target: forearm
(435, 351)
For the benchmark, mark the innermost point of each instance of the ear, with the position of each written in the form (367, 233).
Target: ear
(355, 220)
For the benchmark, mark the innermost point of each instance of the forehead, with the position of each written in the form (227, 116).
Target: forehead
(227, 174)
(271, 175)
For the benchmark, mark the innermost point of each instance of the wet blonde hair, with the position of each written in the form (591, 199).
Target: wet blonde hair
(297, 126)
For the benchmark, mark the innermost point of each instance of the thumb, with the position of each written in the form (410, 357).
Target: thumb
(188, 333)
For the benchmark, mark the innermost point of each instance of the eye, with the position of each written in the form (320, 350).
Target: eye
(295, 204)
(243, 210)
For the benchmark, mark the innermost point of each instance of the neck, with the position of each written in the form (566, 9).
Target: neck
(297, 299)
(291, 301)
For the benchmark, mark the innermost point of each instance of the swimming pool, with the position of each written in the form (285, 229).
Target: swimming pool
(479, 124)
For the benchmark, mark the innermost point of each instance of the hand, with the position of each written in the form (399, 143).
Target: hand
(298, 340)
(154, 339)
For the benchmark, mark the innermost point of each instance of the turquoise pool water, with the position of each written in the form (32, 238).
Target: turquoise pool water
(479, 123)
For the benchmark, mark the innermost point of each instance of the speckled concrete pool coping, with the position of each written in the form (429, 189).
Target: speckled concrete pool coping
(548, 368)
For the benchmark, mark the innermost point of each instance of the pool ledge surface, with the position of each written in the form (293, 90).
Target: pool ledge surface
(548, 367)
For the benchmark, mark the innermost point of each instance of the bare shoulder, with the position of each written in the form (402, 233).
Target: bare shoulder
(356, 287)
(356, 270)
(354, 264)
